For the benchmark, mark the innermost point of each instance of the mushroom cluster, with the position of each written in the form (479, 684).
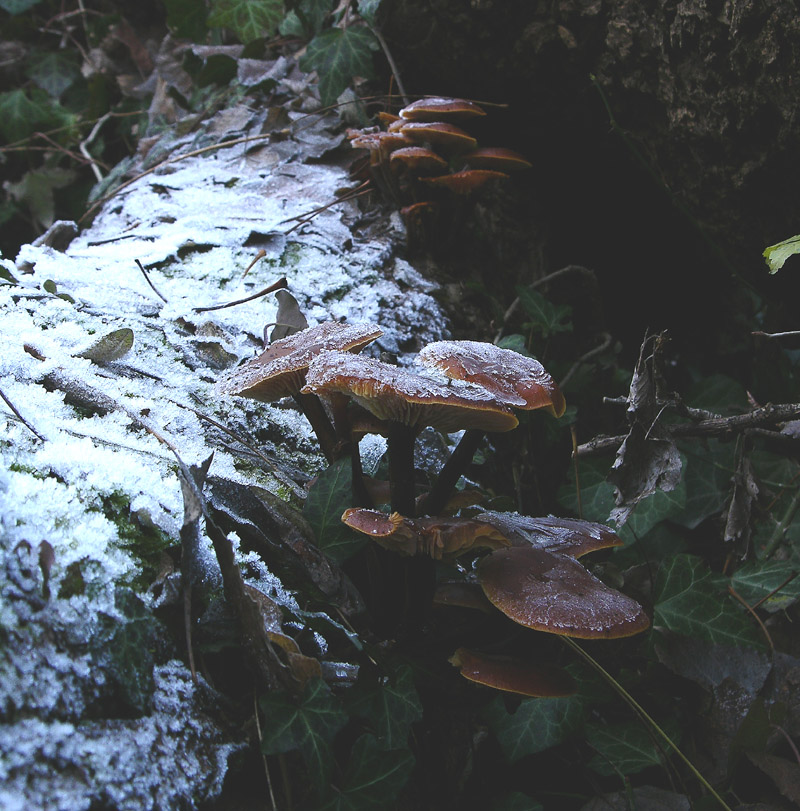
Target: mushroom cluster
(425, 156)
(529, 567)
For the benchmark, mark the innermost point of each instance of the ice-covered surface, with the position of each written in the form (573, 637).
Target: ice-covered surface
(86, 483)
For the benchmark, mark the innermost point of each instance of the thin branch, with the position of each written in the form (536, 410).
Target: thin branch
(738, 597)
(260, 255)
(147, 279)
(776, 589)
(281, 284)
(84, 144)
(21, 418)
(791, 334)
(392, 64)
(715, 427)
(586, 356)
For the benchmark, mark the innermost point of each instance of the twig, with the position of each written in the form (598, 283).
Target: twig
(717, 426)
(307, 216)
(738, 597)
(761, 334)
(21, 418)
(281, 284)
(392, 64)
(147, 279)
(789, 741)
(87, 140)
(583, 358)
(776, 589)
(260, 255)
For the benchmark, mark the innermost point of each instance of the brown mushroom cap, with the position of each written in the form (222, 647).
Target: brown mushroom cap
(280, 370)
(516, 380)
(568, 536)
(496, 157)
(418, 160)
(397, 395)
(466, 181)
(514, 676)
(434, 537)
(554, 593)
(441, 109)
(463, 595)
(439, 133)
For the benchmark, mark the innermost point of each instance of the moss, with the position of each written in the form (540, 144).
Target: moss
(144, 541)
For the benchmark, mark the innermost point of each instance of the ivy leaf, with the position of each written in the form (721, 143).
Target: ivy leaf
(19, 115)
(368, 9)
(17, 6)
(626, 748)
(372, 778)
(338, 55)
(515, 342)
(308, 724)
(692, 600)
(306, 17)
(390, 708)
(36, 188)
(538, 724)
(707, 473)
(248, 19)
(328, 498)
(776, 255)
(756, 579)
(546, 317)
(53, 71)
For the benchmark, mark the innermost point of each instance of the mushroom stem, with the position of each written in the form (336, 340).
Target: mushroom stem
(400, 442)
(312, 409)
(438, 496)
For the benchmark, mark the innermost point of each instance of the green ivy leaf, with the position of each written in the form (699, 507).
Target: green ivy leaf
(17, 6)
(53, 71)
(308, 724)
(372, 778)
(546, 317)
(19, 115)
(776, 255)
(248, 19)
(623, 748)
(35, 190)
(306, 17)
(328, 498)
(338, 55)
(537, 724)
(597, 501)
(514, 342)
(368, 9)
(756, 579)
(692, 600)
(707, 473)
(389, 707)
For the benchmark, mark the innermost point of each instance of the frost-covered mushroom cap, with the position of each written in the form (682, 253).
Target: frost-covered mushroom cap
(438, 109)
(516, 380)
(397, 395)
(439, 133)
(280, 370)
(554, 593)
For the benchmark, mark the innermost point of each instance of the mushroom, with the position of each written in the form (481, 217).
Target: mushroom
(438, 538)
(280, 371)
(496, 157)
(407, 402)
(567, 536)
(417, 160)
(439, 133)
(514, 676)
(552, 592)
(515, 380)
(466, 181)
(441, 109)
